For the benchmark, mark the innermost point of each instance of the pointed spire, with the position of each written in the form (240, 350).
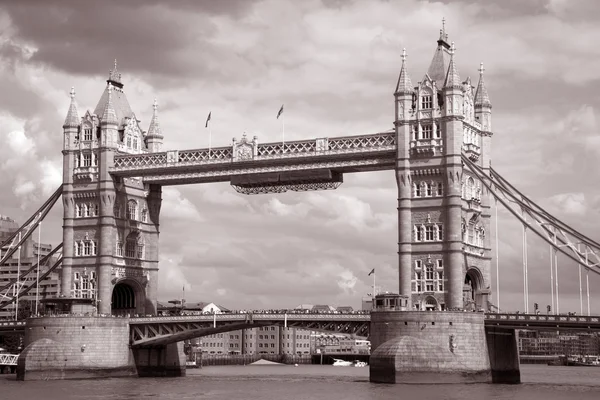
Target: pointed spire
(114, 77)
(154, 129)
(452, 77)
(481, 95)
(109, 116)
(72, 120)
(404, 83)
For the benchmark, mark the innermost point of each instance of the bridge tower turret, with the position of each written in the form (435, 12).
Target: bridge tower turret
(71, 132)
(444, 252)
(154, 138)
(111, 225)
(404, 104)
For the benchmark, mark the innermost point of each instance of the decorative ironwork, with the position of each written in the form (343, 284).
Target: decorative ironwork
(8, 359)
(300, 187)
(426, 147)
(140, 160)
(217, 154)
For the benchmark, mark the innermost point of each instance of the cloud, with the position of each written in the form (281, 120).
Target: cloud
(334, 65)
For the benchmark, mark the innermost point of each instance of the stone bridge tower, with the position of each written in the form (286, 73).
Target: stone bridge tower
(111, 225)
(443, 212)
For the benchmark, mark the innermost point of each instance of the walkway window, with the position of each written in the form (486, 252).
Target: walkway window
(132, 210)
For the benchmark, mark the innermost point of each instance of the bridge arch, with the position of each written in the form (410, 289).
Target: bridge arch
(127, 298)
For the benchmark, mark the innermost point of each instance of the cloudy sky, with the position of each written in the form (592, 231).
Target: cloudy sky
(334, 64)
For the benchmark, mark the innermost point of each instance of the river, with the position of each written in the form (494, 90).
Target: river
(540, 382)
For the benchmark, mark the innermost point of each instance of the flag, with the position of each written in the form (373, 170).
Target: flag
(372, 272)
(280, 112)
(207, 119)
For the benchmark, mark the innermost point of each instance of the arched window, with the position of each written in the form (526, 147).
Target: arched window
(86, 210)
(134, 246)
(417, 189)
(140, 248)
(429, 189)
(440, 189)
(470, 188)
(132, 208)
(78, 211)
(119, 245)
(117, 209)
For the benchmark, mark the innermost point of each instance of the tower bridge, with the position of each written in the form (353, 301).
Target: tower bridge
(440, 151)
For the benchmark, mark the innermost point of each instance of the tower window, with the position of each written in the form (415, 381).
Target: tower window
(438, 131)
(429, 233)
(417, 189)
(426, 131)
(87, 134)
(426, 102)
(87, 160)
(440, 189)
(132, 210)
(429, 188)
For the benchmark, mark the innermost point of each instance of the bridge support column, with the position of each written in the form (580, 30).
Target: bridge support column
(504, 355)
(428, 347)
(167, 360)
(74, 348)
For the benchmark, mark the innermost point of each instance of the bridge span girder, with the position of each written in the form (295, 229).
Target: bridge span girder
(155, 332)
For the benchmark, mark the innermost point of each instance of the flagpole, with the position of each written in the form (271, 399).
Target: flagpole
(209, 138)
(37, 280)
(283, 130)
(374, 294)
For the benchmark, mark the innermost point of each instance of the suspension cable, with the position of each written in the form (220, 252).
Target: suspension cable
(27, 229)
(574, 255)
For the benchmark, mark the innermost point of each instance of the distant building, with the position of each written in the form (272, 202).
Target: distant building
(540, 343)
(20, 262)
(261, 340)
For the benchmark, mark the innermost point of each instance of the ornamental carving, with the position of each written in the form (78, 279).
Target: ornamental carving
(244, 149)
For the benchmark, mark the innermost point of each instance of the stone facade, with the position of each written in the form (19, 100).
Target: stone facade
(70, 348)
(111, 226)
(443, 213)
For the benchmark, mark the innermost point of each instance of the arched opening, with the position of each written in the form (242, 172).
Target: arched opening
(472, 287)
(123, 299)
(431, 303)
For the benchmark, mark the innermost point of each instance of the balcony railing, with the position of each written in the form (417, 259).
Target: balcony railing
(85, 172)
(472, 150)
(426, 146)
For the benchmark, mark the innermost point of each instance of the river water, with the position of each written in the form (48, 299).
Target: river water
(540, 382)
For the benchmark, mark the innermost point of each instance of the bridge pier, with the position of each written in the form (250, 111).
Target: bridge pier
(156, 361)
(504, 354)
(428, 347)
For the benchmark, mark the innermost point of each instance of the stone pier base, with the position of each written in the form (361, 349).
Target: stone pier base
(428, 347)
(75, 347)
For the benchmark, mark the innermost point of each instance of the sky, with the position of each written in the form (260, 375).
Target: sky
(334, 64)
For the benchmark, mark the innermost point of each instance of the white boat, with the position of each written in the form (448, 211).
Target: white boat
(341, 363)
(360, 364)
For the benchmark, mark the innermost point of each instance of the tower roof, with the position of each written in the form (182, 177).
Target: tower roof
(120, 102)
(109, 116)
(72, 120)
(441, 57)
(404, 83)
(154, 129)
(481, 95)
(452, 77)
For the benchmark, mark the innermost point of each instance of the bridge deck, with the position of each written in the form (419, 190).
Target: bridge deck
(341, 154)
